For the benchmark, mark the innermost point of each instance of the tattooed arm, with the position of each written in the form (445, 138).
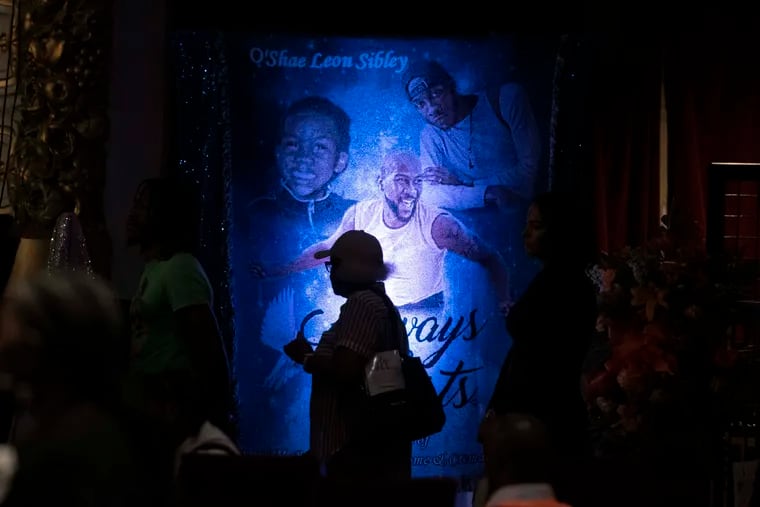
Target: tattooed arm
(450, 234)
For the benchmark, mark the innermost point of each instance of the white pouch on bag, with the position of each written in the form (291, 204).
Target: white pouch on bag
(383, 373)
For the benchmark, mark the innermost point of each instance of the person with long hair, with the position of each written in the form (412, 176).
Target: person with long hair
(551, 325)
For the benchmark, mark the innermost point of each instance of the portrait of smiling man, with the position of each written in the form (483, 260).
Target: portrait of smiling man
(415, 238)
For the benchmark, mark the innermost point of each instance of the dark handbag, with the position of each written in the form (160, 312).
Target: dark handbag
(411, 413)
(425, 415)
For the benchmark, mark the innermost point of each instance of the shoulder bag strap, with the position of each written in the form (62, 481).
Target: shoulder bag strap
(392, 340)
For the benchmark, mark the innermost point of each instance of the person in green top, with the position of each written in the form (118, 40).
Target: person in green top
(173, 325)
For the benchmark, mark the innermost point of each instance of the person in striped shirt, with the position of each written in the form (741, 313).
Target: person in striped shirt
(357, 271)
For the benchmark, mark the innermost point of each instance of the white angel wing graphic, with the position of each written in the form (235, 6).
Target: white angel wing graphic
(279, 324)
(283, 371)
(278, 328)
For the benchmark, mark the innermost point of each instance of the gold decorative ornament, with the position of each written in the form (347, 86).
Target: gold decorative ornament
(58, 161)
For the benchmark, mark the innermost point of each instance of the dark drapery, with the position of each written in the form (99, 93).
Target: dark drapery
(607, 124)
(712, 84)
(624, 110)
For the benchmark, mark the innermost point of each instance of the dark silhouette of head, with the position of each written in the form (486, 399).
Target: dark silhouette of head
(356, 262)
(516, 450)
(62, 337)
(165, 217)
(558, 229)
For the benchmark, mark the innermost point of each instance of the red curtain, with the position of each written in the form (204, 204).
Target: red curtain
(712, 83)
(625, 111)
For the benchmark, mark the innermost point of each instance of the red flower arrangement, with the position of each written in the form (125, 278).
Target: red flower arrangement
(664, 308)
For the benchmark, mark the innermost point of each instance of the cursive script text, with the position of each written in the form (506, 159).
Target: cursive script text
(427, 330)
(459, 397)
(282, 58)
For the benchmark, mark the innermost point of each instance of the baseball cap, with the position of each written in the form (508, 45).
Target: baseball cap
(361, 257)
(423, 75)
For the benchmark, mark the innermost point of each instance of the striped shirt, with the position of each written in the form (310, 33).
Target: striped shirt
(361, 327)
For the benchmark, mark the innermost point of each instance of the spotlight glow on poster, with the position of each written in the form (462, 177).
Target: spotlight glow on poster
(295, 183)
